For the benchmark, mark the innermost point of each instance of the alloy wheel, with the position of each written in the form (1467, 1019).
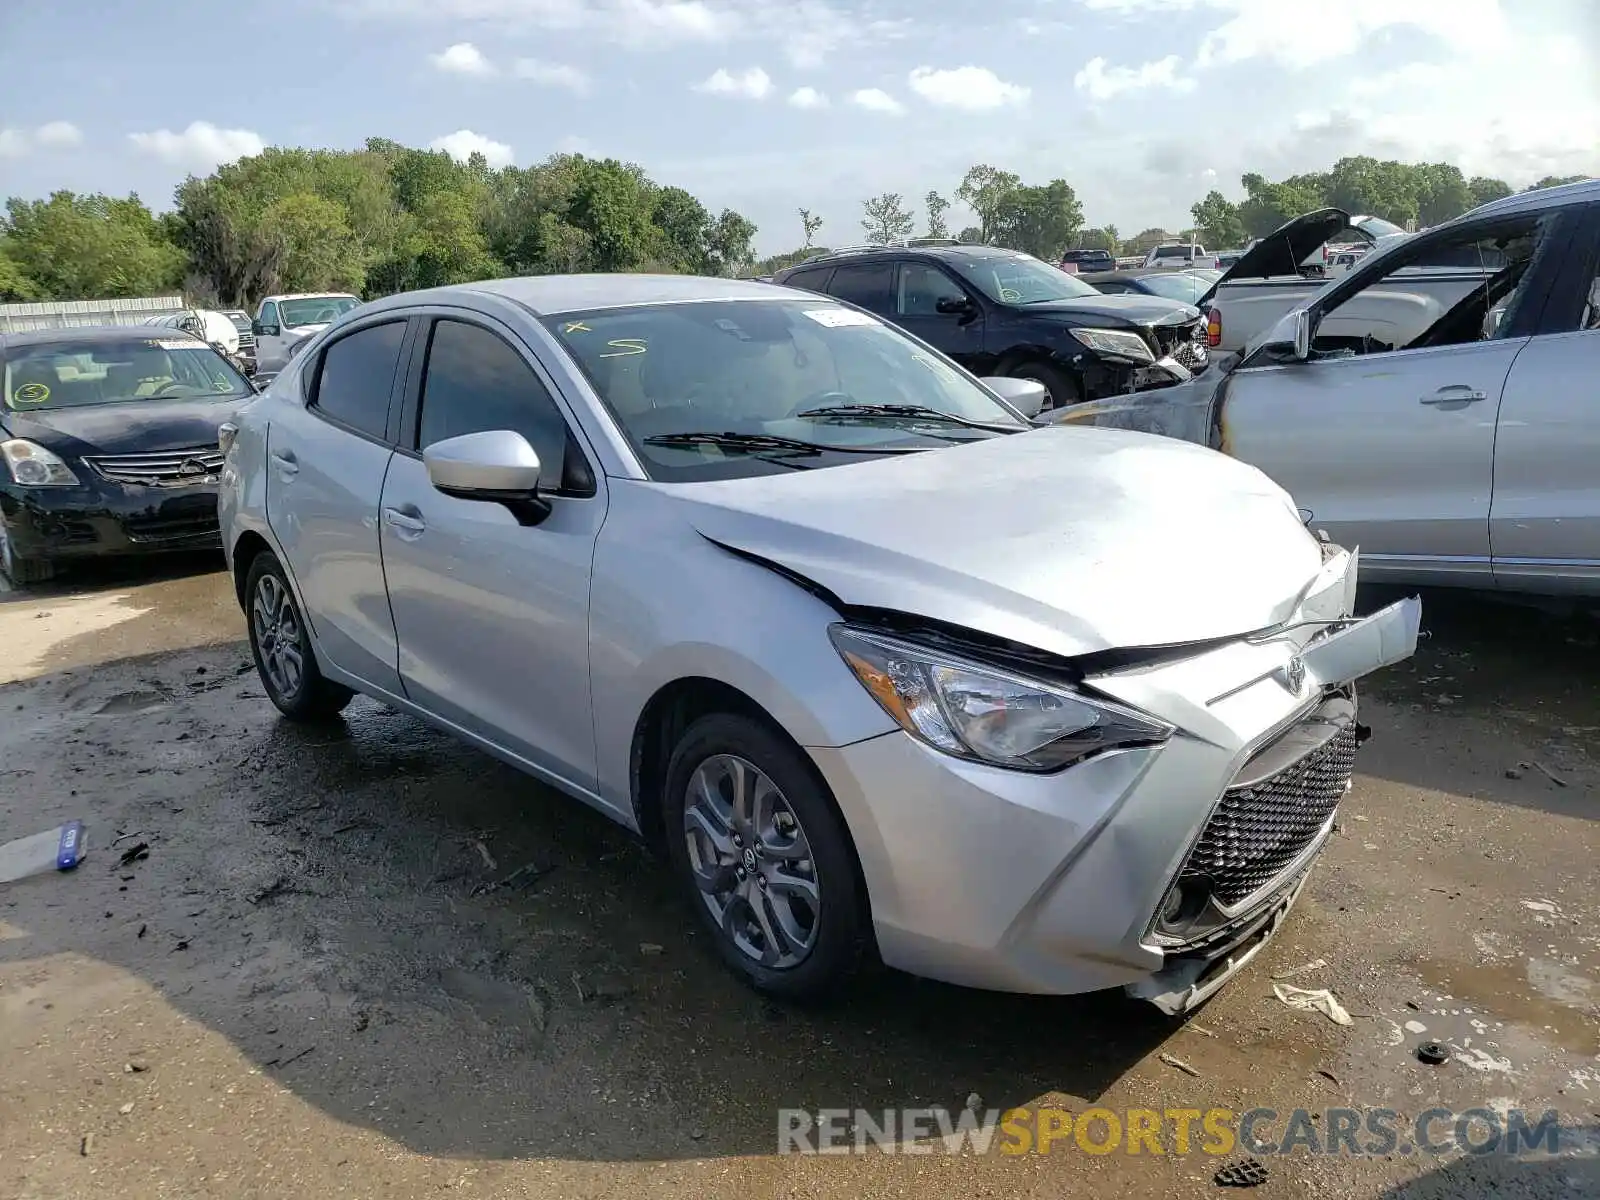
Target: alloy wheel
(277, 631)
(751, 861)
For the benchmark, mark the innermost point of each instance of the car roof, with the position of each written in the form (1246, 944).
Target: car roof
(552, 295)
(964, 253)
(1570, 193)
(310, 296)
(91, 334)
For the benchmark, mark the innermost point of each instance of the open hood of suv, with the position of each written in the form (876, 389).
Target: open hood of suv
(1283, 250)
(1069, 540)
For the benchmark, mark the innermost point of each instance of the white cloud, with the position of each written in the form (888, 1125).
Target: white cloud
(463, 144)
(1102, 81)
(463, 58)
(752, 84)
(552, 74)
(202, 146)
(975, 89)
(13, 143)
(58, 133)
(808, 97)
(876, 100)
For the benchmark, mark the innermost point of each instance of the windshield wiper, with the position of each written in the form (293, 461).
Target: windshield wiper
(912, 411)
(759, 442)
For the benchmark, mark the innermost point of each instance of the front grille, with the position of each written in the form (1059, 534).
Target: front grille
(180, 527)
(1259, 830)
(247, 341)
(1192, 355)
(169, 468)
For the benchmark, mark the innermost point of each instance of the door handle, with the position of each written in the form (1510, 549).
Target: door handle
(286, 464)
(1458, 393)
(404, 522)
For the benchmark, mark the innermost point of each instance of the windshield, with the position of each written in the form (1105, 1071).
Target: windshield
(1179, 251)
(315, 310)
(1022, 279)
(1187, 286)
(79, 374)
(754, 367)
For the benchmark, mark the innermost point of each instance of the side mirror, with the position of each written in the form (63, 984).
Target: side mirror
(267, 330)
(1302, 335)
(951, 306)
(1027, 396)
(497, 466)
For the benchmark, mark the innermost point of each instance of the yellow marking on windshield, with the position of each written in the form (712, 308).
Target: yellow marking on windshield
(576, 327)
(31, 393)
(623, 347)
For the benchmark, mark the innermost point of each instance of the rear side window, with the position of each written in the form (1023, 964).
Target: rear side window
(476, 382)
(871, 285)
(814, 280)
(356, 376)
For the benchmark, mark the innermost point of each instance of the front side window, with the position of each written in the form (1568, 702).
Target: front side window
(921, 288)
(802, 370)
(316, 310)
(1022, 279)
(69, 374)
(357, 375)
(269, 313)
(475, 382)
(1471, 281)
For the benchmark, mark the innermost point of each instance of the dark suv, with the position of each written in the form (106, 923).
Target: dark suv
(998, 312)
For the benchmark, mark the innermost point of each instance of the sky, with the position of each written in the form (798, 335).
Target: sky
(768, 106)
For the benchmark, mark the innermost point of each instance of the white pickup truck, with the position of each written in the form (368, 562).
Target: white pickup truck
(1284, 270)
(284, 322)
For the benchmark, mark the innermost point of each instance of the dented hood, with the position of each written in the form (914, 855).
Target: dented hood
(1070, 540)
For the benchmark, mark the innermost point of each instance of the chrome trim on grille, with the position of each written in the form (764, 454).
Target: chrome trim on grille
(167, 468)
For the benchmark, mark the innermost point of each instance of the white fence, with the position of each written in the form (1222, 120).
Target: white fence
(75, 314)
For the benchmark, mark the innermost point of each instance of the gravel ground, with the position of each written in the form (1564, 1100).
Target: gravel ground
(317, 983)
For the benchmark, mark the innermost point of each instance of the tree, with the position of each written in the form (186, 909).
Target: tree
(1217, 221)
(685, 226)
(316, 248)
(937, 206)
(885, 219)
(611, 204)
(728, 243)
(1268, 205)
(1099, 239)
(14, 281)
(811, 225)
(448, 246)
(73, 247)
(1442, 193)
(1145, 241)
(1042, 221)
(1550, 181)
(984, 189)
(1484, 189)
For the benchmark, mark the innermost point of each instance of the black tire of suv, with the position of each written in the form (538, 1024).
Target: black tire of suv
(317, 698)
(844, 934)
(1064, 390)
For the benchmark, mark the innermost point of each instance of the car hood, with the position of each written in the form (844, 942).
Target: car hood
(305, 331)
(1114, 311)
(1070, 540)
(1283, 250)
(139, 427)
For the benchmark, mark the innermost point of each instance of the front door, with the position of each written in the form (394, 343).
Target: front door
(918, 290)
(493, 616)
(326, 465)
(272, 348)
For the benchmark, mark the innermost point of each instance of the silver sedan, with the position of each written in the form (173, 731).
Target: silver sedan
(887, 670)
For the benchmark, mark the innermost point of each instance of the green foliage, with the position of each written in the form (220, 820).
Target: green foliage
(81, 246)
(1146, 240)
(937, 206)
(885, 219)
(1217, 222)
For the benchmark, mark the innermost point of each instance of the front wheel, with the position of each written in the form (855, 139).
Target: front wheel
(1062, 388)
(281, 646)
(21, 572)
(765, 857)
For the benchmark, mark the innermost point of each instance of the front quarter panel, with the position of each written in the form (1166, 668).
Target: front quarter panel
(668, 605)
(242, 485)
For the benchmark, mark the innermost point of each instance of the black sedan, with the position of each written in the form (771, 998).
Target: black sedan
(1184, 286)
(108, 444)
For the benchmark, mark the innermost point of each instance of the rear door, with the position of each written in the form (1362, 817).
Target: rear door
(1392, 451)
(326, 464)
(1544, 526)
(919, 286)
(492, 615)
(869, 285)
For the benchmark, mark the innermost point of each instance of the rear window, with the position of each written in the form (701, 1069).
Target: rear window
(1176, 252)
(78, 374)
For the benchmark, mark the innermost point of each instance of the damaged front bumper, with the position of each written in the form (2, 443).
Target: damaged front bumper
(1059, 883)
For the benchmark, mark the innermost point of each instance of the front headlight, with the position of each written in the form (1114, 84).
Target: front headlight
(977, 712)
(1115, 341)
(31, 465)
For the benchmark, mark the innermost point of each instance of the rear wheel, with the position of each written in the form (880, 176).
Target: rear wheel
(21, 572)
(281, 646)
(1062, 387)
(765, 857)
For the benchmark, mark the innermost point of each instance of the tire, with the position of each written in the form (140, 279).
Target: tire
(282, 649)
(22, 572)
(816, 947)
(1063, 389)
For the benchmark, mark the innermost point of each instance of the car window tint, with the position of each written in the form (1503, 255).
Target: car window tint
(866, 284)
(269, 313)
(814, 280)
(356, 376)
(477, 382)
(921, 288)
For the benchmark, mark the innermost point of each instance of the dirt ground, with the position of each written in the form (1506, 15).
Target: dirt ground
(311, 986)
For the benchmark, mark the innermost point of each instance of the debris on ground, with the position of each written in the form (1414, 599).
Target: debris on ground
(58, 849)
(86, 1145)
(1177, 1064)
(138, 852)
(1305, 969)
(1433, 1053)
(1245, 1173)
(1305, 1000)
(651, 949)
(284, 1062)
(126, 1108)
(605, 989)
(1548, 774)
(489, 863)
(134, 1068)
(524, 876)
